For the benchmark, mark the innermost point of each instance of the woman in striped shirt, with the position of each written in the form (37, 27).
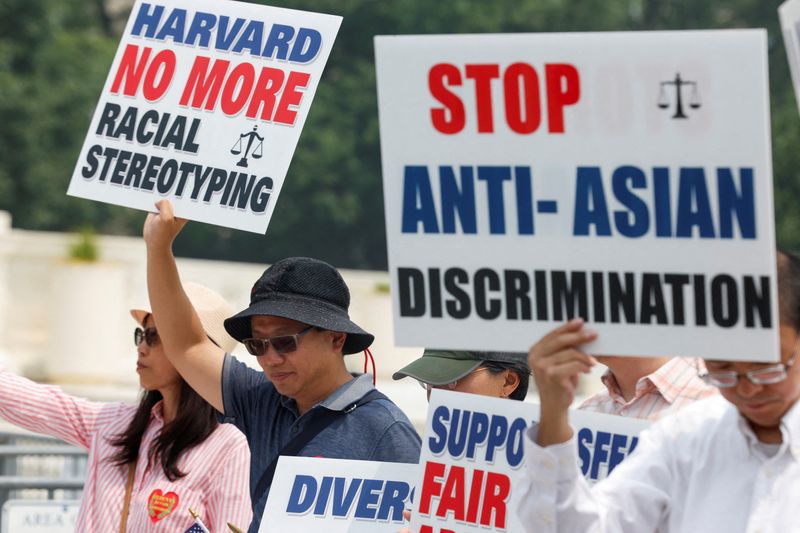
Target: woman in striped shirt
(148, 463)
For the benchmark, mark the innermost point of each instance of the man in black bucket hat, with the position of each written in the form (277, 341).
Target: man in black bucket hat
(305, 402)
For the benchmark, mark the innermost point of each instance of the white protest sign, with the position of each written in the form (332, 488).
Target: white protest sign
(622, 177)
(338, 496)
(789, 13)
(32, 516)
(204, 105)
(603, 440)
(473, 457)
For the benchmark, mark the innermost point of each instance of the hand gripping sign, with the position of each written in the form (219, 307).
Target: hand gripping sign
(204, 105)
(338, 496)
(621, 177)
(473, 452)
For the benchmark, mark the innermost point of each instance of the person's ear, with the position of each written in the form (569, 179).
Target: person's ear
(510, 383)
(337, 340)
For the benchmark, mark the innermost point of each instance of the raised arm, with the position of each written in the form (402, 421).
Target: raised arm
(191, 352)
(49, 410)
(557, 362)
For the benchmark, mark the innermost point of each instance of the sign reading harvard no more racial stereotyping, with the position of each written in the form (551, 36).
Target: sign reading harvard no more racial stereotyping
(204, 105)
(622, 177)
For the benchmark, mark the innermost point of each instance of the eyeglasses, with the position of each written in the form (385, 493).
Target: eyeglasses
(452, 385)
(281, 344)
(148, 335)
(763, 376)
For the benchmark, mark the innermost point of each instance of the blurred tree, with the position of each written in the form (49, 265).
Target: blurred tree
(54, 56)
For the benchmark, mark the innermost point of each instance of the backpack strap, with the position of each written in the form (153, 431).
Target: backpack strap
(312, 429)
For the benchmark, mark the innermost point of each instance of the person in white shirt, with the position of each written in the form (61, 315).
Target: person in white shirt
(728, 463)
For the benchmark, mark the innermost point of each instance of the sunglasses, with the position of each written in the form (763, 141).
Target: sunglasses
(148, 335)
(281, 344)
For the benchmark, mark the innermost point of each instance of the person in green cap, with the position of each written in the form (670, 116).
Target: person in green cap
(498, 374)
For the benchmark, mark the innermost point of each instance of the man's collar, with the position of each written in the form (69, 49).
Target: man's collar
(790, 430)
(347, 394)
(669, 379)
(341, 398)
(674, 376)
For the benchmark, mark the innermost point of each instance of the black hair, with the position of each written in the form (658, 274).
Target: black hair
(520, 369)
(195, 420)
(789, 289)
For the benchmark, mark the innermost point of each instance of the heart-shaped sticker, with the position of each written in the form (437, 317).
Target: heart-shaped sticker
(160, 505)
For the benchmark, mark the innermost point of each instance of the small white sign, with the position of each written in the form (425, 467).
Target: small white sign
(204, 105)
(615, 176)
(473, 454)
(789, 13)
(40, 516)
(338, 496)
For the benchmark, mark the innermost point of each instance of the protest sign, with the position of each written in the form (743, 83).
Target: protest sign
(338, 496)
(789, 13)
(204, 105)
(622, 177)
(473, 456)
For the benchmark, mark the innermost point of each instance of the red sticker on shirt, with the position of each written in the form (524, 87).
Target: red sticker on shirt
(160, 505)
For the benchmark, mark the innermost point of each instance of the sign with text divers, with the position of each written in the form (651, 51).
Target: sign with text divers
(204, 105)
(529, 179)
(338, 496)
(472, 460)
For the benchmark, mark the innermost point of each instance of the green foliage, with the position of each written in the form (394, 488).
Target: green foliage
(85, 247)
(55, 54)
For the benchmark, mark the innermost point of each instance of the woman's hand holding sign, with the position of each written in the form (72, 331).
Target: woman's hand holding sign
(557, 361)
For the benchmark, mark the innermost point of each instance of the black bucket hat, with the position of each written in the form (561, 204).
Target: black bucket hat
(306, 290)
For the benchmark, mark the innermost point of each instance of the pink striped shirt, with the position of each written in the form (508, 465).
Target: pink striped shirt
(217, 470)
(669, 388)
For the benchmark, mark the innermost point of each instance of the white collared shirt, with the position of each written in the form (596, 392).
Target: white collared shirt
(699, 470)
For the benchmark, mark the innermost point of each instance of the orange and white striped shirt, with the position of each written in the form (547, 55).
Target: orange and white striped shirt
(216, 485)
(673, 386)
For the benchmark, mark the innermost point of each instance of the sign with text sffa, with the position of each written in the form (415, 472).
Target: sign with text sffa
(622, 177)
(338, 496)
(472, 459)
(204, 105)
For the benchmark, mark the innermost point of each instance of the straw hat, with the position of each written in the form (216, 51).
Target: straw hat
(210, 307)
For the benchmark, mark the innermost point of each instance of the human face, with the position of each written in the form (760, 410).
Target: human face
(482, 381)
(764, 405)
(154, 369)
(304, 374)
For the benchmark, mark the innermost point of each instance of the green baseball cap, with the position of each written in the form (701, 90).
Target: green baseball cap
(440, 367)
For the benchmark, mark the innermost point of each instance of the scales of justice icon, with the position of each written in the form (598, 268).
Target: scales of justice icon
(678, 83)
(257, 149)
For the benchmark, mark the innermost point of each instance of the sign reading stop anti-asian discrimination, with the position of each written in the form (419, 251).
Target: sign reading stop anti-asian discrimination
(621, 177)
(473, 456)
(789, 13)
(338, 496)
(204, 105)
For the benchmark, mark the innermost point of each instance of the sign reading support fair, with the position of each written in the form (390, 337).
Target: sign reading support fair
(338, 496)
(204, 105)
(621, 177)
(473, 455)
